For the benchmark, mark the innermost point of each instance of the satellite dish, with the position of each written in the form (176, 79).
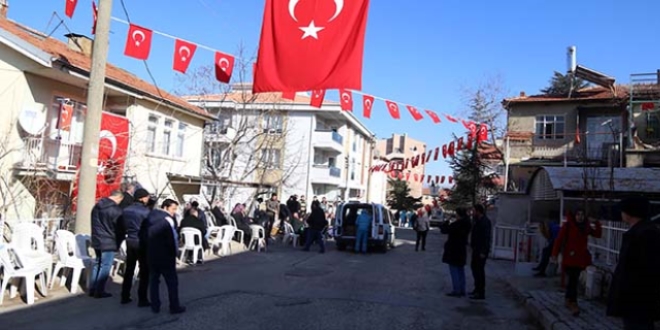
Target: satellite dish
(32, 119)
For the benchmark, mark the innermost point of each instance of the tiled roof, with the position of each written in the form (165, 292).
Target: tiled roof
(586, 94)
(61, 51)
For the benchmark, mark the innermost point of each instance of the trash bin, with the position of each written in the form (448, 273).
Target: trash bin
(593, 282)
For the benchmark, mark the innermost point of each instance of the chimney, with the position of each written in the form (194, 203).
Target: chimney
(522, 94)
(4, 8)
(79, 43)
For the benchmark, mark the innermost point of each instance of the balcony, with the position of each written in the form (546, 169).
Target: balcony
(328, 140)
(219, 134)
(329, 175)
(55, 156)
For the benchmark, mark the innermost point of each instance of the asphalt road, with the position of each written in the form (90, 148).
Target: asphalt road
(290, 289)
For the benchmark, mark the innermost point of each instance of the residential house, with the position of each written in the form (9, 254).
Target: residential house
(38, 162)
(398, 148)
(263, 143)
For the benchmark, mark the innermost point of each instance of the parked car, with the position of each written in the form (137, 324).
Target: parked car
(381, 232)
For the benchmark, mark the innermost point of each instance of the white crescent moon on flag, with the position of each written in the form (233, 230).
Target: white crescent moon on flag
(340, 6)
(394, 107)
(138, 33)
(367, 103)
(345, 96)
(110, 137)
(292, 9)
(223, 63)
(186, 50)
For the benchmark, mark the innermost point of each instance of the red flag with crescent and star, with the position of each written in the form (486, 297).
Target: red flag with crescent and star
(138, 42)
(434, 116)
(311, 45)
(70, 7)
(317, 98)
(224, 66)
(346, 98)
(483, 133)
(113, 147)
(444, 151)
(451, 119)
(437, 152)
(414, 113)
(183, 54)
(450, 179)
(367, 105)
(66, 115)
(459, 144)
(393, 108)
(95, 15)
(451, 149)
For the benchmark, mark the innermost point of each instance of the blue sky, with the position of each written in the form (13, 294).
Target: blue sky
(422, 53)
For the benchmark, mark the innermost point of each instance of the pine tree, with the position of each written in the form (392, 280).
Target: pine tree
(472, 184)
(399, 198)
(560, 84)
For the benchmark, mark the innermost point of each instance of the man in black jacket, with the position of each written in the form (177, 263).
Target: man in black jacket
(105, 241)
(162, 249)
(132, 218)
(480, 243)
(634, 294)
(129, 190)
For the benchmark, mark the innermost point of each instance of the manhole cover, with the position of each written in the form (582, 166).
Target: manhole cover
(307, 272)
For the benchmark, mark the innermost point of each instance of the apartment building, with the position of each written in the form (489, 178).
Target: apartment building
(262, 144)
(401, 147)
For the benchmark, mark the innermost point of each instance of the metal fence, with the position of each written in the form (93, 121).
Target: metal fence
(605, 250)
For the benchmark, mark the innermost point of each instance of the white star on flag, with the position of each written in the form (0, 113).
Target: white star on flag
(311, 31)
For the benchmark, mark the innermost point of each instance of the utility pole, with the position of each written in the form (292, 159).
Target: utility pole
(92, 125)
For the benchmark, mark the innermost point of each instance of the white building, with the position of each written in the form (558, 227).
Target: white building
(284, 146)
(379, 182)
(38, 163)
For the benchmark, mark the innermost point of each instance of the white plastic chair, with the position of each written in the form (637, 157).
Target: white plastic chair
(16, 269)
(192, 241)
(258, 240)
(239, 232)
(119, 260)
(28, 238)
(289, 234)
(71, 255)
(223, 240)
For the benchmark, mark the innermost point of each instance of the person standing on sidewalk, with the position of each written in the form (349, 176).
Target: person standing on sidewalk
(317, 222)
(422, 226)
(106, 236)
(635, 291)
(455, 254)
(480, 242)
(132, 217)
(572, 243)
(162, 249)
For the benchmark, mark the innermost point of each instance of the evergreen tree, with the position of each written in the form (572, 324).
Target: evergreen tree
(472, 183)
(399, 198)
(560, 84)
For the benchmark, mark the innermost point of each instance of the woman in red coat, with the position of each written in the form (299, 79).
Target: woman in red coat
(572, 243)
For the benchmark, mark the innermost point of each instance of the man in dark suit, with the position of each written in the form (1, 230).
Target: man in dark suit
(133, 217)
(162, 249)
(480, 243)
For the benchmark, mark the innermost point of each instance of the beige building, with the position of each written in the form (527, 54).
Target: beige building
(401, 147)
(38, 161)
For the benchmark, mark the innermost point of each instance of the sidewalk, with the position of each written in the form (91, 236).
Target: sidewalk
(544, 299)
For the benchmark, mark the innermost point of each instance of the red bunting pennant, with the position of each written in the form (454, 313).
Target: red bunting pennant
(444, 151)
(437, 179)
(442, 179)
(224, 66)
(428, 179)
(367, 105)
(346, 98)
(428, 156)
(70, 7)
(317, 98)
(437, 153)
(414, 113)
(422, 158)
(183, 54)
(451, 149)
(95, 16)
(393, 108)
(138, 42)
(459, 144)
(469, 143)
(434, 116)
(451, 119)
(483, 133)
(450, 180)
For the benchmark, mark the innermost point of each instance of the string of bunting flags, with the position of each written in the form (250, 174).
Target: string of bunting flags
(138, 46)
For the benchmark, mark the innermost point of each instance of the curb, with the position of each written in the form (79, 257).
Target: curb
(542, 315)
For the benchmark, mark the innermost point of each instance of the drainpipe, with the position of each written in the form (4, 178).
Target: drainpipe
(310, 158)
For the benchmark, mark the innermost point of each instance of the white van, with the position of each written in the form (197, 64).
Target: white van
(381, 233)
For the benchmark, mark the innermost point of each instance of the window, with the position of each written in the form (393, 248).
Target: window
(652, 126)
(167, 136)
(270, 158)
(151, 133)
(215, 157)
(73, 132)
(272, 123)
(550, 127)
(352, 168)
(180, 139)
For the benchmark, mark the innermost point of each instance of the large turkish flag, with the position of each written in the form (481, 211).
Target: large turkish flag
(311, 45)
(113, 150)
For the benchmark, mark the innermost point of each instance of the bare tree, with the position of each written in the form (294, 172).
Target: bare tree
(258, 152)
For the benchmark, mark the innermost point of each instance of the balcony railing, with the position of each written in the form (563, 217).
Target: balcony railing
(337, 137)
(335, 172)
(51, 154)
